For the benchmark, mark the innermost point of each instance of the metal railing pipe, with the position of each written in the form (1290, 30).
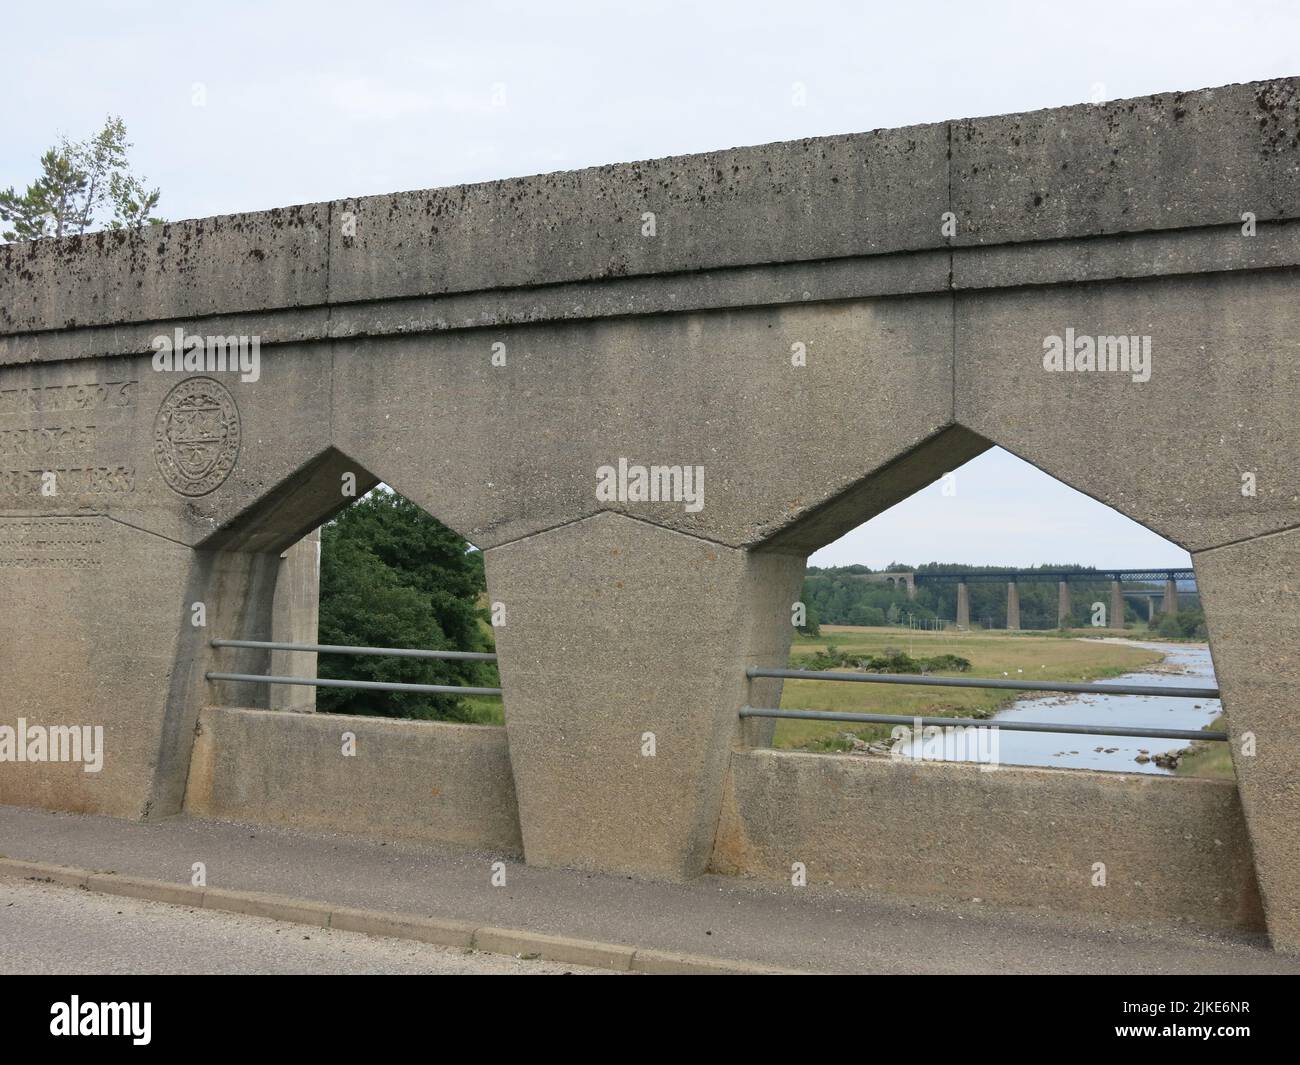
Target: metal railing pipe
(970, 722)
(344, 649)
(986, 682)
(363, 685)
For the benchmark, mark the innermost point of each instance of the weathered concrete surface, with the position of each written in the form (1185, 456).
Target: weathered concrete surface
(619, 634)
(1168, 161)
(204, 266)
(710, 389)
(574, 226)
(800, 325)
(725, 917)
(1221, 400)
(96, 425)
(1174, 848)
(408, 779)
(295, 618)
(1250, 592)
(91, 630)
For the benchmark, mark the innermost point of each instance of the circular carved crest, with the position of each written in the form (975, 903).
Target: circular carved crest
(196, 436)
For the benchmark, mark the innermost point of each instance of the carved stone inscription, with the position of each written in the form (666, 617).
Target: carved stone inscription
(50, 543)
(51, 439)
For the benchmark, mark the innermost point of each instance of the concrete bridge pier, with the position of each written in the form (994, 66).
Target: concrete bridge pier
(1013, 605)
(1258, 670)
(1116, 606)
(963, 605)
(623, 658)
(1062, 603)
(295, 616)
(1170, 604)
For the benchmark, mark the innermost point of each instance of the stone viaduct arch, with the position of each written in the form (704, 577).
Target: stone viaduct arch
(379, 319)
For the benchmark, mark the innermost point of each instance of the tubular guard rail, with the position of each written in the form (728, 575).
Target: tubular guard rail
(983, 682)
(361, 685)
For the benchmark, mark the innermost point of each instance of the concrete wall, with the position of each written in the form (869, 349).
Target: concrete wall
(619, 635)
(408, 779)
(92, 633)
(295, 618)
(1173, 848)
(920, 349)
(1251, 595)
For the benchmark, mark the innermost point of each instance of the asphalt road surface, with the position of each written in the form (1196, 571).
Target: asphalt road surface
(50, 929)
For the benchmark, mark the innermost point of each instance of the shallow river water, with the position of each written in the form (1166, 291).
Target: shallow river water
(1111, 753)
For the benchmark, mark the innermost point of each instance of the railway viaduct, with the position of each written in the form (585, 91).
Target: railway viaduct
(1014, 578)
(812, 330)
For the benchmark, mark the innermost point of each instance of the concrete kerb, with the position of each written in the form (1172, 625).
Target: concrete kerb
(432, 930)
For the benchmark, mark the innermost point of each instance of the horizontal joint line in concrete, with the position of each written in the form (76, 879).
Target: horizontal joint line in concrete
(1248, 539)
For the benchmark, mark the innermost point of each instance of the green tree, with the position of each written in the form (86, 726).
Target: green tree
(78, 180)
(102, 160)
(392, 576)
(133, 204)
(50, 206)
(1188, 623)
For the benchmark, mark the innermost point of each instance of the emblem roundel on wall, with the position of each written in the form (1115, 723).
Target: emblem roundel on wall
(196, 436)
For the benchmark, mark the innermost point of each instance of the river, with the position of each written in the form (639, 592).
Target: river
(1116, 754)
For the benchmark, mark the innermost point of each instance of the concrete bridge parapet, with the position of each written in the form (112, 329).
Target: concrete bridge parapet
(502, 353)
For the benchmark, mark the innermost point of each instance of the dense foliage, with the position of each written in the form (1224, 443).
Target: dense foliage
(1187, 624)
(392, 576)
(892, 660)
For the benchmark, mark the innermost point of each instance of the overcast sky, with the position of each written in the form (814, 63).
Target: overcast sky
(245, 106)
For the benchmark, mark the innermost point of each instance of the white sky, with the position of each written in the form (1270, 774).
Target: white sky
(314, 101)
(1002, 512)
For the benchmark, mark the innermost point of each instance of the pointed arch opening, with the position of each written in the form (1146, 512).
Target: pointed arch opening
(961, 561)
(334, 556)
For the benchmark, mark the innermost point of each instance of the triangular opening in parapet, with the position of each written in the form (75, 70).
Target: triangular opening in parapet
(996, 569)
(352, 563)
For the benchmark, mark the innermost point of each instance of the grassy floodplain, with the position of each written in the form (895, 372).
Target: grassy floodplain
(992, 653)
(1208, 759)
